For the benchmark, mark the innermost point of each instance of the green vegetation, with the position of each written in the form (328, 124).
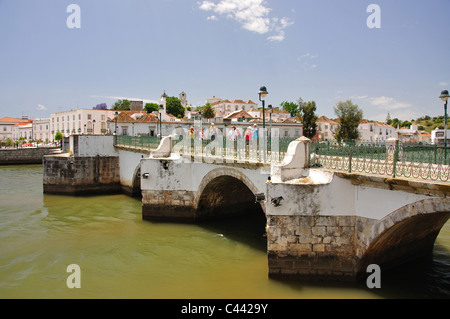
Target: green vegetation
(349, 115)
(424, 123)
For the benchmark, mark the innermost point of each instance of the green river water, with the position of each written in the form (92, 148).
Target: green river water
(122, 256)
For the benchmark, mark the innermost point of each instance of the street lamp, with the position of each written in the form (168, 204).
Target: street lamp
(93, 127)
(271, 111)
(161, 108)
(444, 97)
(262, 95)
(115, 122)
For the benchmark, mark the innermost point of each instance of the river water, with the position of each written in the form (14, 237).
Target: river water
(122, 256)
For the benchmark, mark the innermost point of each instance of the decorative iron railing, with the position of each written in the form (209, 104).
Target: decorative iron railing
(218, 149)
(429, 162)
(255, 151)
(138, 142)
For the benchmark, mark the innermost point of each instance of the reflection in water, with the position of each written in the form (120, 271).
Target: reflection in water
(122, 256)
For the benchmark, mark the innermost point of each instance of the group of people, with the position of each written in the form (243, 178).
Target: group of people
(211, 133)
(233, 135)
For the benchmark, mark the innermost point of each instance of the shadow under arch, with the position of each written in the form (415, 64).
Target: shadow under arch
(135, 189)
(411, 234)
(226, 204)
(226, 192)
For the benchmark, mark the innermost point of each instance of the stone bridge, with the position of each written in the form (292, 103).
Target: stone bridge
(321, 224)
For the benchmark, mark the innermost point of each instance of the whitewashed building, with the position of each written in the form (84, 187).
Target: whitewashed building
(41, 130)
(438, 137)
(225, 107)
(8, 128)
(81, 121)
(373, 131)
(326, 129)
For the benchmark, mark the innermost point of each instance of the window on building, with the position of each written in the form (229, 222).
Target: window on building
(89, 116)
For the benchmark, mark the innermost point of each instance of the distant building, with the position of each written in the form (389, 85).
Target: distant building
(373, 131)
(81, 121)
(41, 130)
(326, 128)
(22, 130)
(438, 137)
(213, 100)
(136, 105)
(183, 99)
(276, 114)
(409, 135)
(7, 126)
(225, 107)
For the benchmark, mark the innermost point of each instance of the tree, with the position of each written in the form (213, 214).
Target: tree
(58, 136)
(208, 111)
(291, 107)
(388, 119)
(174, 107)
(101, 106)
(307, 112)
(121, 105)
(151, 107)
(349, 115)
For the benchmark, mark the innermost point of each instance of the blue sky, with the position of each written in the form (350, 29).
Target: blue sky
(319, 50)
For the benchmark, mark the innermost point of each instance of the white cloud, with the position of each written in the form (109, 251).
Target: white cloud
(383, 102)
(388, 103)
(253, 15)
(41, 107)
(305, 58)
(212, 18)
(443, 83)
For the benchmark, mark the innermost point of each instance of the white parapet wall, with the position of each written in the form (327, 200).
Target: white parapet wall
(92, 145)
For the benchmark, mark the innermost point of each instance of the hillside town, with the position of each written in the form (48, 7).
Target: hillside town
(137, 121)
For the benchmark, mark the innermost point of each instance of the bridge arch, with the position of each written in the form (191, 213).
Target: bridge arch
(226, 192)
(405, 234)
(136, 182)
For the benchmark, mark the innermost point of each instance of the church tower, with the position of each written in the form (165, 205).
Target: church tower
(162, 101)
(183, 99)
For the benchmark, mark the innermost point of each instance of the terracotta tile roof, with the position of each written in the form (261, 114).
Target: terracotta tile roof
(123, 117)
(148, 118)
(239, 114)
(11, 120)
(324, 119)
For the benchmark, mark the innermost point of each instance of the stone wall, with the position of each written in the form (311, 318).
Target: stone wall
(168, 205)
(306, 247)
(81, 175)
(25, 155)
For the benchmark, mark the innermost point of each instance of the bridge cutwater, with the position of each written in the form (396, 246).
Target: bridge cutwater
(329, 215)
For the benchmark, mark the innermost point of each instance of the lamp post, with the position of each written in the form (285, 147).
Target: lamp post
(444, 97)
(262, 95)
(161, 108)
(93, 127)
(271, 111)
(115, 122)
